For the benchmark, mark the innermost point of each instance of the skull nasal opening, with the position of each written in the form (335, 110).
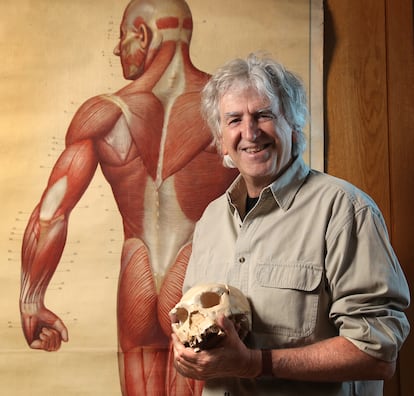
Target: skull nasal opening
(209, 299)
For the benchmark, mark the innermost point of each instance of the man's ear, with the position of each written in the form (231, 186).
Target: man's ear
(224, 150)
(144, 35)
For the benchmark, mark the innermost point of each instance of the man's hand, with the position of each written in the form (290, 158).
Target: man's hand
(231, 358)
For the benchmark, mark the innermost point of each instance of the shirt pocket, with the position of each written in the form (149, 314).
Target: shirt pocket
(287, 299)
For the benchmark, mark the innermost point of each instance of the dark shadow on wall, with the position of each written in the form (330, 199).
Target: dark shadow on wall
(329, 41)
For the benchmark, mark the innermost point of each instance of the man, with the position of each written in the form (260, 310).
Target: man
(159, 159)
(310, 252)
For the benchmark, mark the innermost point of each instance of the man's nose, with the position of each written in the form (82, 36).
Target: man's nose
(250, 129)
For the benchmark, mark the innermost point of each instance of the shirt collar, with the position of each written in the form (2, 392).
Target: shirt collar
(283, 189)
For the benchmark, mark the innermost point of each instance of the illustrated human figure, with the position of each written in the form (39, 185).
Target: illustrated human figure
(158, 157)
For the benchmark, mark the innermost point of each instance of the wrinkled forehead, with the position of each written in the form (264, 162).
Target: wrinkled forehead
(246, 89)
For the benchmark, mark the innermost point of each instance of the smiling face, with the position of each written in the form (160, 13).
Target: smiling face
(256, 136)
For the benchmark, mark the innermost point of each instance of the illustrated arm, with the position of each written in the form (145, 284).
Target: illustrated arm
(44, 240)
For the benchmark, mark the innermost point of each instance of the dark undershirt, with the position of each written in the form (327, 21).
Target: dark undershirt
(250, 202)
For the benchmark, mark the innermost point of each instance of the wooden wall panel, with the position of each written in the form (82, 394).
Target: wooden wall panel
(369, 118)
(400, 67)
(356, 100)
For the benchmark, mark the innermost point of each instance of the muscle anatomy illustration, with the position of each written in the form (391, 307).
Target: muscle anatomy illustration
(157, 155)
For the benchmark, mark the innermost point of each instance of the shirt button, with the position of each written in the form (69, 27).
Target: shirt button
(242, 260)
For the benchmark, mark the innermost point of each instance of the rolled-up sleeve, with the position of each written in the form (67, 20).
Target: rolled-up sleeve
(368, 286)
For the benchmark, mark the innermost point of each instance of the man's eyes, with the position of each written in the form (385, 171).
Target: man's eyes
(258, 117)
(264, 116)
(234, 121)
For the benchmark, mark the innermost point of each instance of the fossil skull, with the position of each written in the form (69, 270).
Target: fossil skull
(193, 318)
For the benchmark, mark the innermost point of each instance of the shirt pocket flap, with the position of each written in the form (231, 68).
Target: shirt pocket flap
(295, 276)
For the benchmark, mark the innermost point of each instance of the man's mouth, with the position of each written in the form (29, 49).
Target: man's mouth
(255, 149)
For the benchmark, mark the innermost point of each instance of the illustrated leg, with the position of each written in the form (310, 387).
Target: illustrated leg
(143, 346)
(170, 294)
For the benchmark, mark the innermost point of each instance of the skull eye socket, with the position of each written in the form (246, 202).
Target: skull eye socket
(181, 315)
(209, 299)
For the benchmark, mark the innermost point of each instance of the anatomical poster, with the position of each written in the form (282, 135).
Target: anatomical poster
(98, 204)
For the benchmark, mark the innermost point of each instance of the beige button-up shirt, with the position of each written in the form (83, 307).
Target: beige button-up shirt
(314, 259)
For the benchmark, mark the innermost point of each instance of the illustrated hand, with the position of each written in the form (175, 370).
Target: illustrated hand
(42, 328)
(231, 358)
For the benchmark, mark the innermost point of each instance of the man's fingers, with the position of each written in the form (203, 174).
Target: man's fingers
(226, 324)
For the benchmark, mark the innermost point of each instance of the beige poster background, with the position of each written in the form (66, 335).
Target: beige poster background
(57, 54)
